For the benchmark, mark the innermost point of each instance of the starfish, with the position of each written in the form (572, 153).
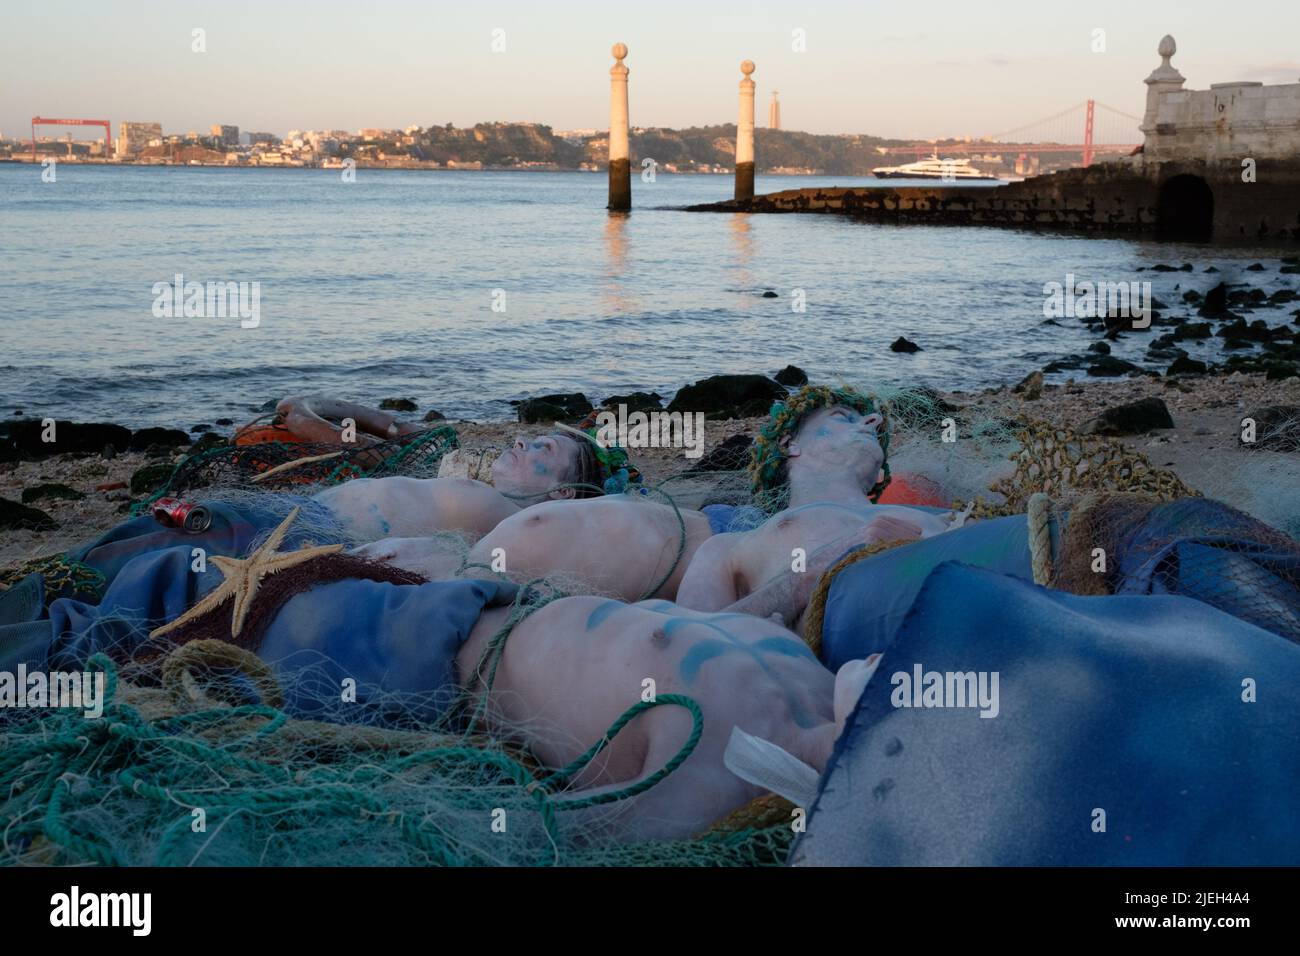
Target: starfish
(243, 576)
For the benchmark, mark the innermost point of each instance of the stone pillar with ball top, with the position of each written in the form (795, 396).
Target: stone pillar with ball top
(1163, 79)
(745, 136)
(620, 171)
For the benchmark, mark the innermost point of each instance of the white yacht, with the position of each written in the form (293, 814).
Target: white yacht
(933, 168)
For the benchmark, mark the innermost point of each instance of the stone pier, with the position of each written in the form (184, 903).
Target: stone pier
(620, 172)
(1221, 164)
(745, 135)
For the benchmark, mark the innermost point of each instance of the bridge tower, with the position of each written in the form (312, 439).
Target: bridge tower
(1087, 136)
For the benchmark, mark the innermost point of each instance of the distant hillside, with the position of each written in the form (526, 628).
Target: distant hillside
(716, 145)
(520, 144)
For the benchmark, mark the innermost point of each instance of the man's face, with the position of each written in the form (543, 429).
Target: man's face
(842, 439)
(534, 465)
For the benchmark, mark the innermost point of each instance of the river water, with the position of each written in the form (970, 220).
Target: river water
(463, 290)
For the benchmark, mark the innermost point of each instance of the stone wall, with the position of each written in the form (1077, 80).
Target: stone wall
(1227, 122)
(1107, 198)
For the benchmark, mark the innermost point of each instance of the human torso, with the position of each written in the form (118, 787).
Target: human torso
(773, 549)
(375, 508)
(616, 545)
(571, 669)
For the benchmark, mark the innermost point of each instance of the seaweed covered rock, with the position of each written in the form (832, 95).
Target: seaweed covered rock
(793, 376)
(15, 516)
(147, 438)
(553, 408)
(636, 401)
(1109, 366)
(149, 477)
(53, 490)
(1183, 365)
(25, 438)
(1133, 418)
(729, 396)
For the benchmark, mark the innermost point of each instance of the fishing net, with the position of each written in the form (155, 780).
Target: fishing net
(183, 774)
(180, 734)
(290, 465)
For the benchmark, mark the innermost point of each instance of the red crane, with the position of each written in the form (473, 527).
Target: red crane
(45, 121)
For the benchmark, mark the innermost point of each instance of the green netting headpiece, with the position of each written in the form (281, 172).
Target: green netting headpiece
(768, 455)
(616, 468)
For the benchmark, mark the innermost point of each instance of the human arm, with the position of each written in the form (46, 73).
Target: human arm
(314, 418)
(787, 594)
(710, 582)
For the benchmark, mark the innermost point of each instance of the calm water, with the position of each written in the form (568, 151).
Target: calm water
(385, 287)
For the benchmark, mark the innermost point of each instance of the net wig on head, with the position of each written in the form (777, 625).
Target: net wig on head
(588, 475)
(606, 466)
(768, 459)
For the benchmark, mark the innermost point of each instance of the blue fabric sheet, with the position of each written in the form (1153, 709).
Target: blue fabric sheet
(232, 533)
(1132, 705)
(1205, 549)
(868, 600)
(398, 642)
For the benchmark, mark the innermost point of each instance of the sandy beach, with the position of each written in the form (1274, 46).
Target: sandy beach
(1203, 449)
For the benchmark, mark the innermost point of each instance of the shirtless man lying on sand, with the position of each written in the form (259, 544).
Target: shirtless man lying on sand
(827, 448)
(570, 669)
(532, 470)
(823, 442)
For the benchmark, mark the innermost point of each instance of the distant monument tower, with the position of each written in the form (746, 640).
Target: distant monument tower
(745, 135)
(774, 112)
(620, 171)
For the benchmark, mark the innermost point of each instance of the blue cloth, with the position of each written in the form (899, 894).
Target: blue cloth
(398, 642)
(232, 533)
(868, 600)
(1130, 705)
(1205, 549)
(725, 518)
(24, 630)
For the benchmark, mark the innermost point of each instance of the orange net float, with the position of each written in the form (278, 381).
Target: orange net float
(915, 490)
(256, 433)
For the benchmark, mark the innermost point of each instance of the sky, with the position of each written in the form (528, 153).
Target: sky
(896, 68)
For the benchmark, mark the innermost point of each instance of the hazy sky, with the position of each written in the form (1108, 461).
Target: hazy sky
(898, 68)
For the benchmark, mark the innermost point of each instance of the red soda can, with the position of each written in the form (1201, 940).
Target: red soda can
(174, 513)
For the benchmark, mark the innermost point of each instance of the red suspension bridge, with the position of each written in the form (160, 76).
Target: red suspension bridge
(1089, 128)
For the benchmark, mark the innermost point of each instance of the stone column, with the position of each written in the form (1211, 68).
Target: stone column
(620, 172)
(1163, 79)
(745, 136)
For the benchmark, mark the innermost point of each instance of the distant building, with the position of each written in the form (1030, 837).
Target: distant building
(269, 138)
(774, 112)
(226, 135)
(135, 137)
